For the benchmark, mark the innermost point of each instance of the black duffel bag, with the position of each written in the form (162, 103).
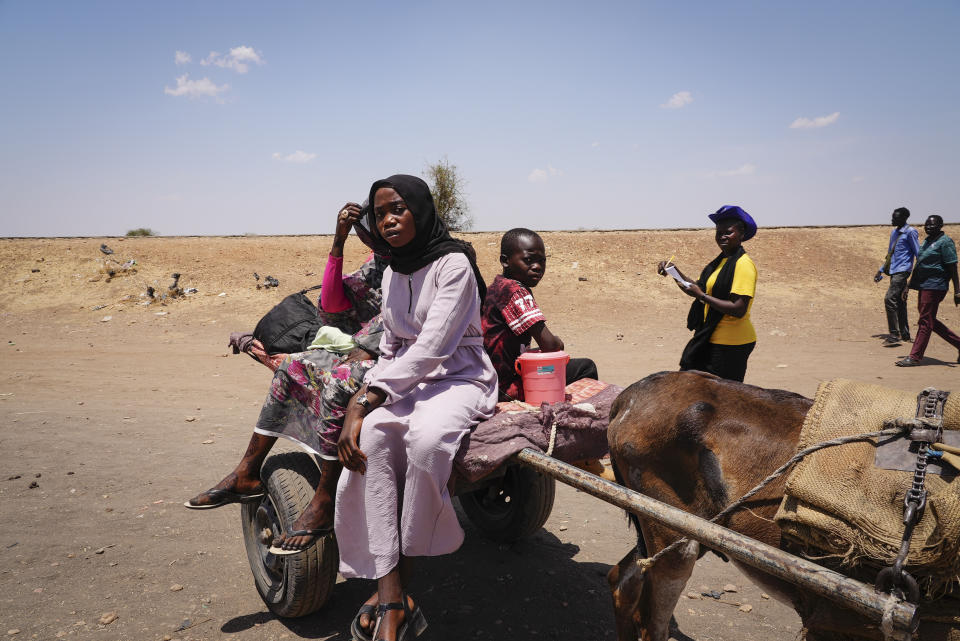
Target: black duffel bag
(290, 326)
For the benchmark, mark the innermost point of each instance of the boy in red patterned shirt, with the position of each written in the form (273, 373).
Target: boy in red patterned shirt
(511, 316)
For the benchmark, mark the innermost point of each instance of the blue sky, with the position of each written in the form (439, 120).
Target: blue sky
(595, 115)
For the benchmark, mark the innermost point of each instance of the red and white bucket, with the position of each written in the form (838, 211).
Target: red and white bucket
(544, 376)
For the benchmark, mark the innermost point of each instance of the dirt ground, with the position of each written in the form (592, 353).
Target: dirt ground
(114, 412)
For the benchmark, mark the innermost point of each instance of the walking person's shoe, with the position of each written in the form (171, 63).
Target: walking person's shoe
(905, 337)
(907, 362)
(892, 340)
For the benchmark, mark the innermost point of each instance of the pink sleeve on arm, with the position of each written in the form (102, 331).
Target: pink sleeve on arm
(332, 297)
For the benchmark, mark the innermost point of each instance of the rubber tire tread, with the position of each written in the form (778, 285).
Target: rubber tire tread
(291, 479)
(530, 507)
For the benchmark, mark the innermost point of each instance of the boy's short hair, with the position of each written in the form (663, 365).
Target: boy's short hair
(508, 244)
(902, 211)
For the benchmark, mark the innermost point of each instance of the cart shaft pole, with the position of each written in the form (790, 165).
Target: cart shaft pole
(845, 591)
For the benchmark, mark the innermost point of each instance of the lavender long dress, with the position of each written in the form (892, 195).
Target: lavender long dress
(439, 383)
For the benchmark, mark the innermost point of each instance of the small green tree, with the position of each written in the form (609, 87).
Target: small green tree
(447, 187)
(141, 231)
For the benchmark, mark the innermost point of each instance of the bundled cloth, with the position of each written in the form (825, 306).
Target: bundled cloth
(842, 508)
(573, 430)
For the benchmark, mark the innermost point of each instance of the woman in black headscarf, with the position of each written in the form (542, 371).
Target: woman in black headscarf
(433, 382)
(723, 336)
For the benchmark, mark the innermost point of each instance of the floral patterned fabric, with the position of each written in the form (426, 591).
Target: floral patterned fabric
(308, 399)
(310, 390)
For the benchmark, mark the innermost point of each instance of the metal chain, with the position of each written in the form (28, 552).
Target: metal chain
(928, 429)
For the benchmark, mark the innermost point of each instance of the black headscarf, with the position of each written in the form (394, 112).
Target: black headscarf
(703, 327)
(432, 239)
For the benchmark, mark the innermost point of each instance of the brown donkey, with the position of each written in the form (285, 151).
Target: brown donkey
(699, 442)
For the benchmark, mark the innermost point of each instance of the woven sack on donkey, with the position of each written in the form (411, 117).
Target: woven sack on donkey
(290, 326)
(841, 508)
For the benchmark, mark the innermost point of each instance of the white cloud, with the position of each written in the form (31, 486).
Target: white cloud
(746, 169)
(238, 59)
(595, 144)
(678, 100)
(543, 175)
(297, 156)
(195, 88)
(815, 123)
(181, 57)
(538, 176)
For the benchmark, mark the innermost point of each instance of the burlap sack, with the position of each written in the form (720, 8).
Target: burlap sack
(839, 506)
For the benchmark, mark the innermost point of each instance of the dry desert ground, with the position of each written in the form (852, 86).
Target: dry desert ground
(115, 412)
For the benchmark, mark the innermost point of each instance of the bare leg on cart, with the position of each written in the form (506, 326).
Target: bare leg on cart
(240, 484)
(317, 519)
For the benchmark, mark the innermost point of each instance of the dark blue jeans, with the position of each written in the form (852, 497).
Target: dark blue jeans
(896, 306)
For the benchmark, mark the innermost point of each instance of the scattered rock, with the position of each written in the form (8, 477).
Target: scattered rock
(13, 478)
(176, 587)
(782, 365)
(746, 607)
(108, 618)
(713, 594)
(33, 484)
(574, 265)
(37, 475)
(207, 442)
(34, 271)
(729, 588)
(581, 279)
(13, 631)
(101, 551)
(190, 419)
(691, 611)
(106, 250)
(693, 595)
(106, 319)
(764, 595)
(563, 528)
(222, 294)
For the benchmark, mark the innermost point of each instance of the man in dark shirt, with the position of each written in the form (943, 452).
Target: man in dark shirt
(936, 269)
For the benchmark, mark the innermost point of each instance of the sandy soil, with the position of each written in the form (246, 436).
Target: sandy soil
(119, 411)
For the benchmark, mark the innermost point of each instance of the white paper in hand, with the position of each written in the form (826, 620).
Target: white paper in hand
(672, 271)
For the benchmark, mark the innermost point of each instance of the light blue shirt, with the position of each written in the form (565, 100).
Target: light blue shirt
(905, 250)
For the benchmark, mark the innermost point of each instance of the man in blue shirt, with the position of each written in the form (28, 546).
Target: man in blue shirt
(902, 250)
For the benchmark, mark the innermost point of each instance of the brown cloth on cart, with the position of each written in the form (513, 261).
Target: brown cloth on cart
(581, 430)
(840, 507)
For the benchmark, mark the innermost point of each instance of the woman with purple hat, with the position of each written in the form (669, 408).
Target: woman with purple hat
(723, 336)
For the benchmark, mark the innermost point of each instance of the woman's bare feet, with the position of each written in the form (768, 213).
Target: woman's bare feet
(368, 621)
(232, 489)
(317, 516)
(392, 621)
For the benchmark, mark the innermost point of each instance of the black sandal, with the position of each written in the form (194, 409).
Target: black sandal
(359, 634)
(414, 622)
